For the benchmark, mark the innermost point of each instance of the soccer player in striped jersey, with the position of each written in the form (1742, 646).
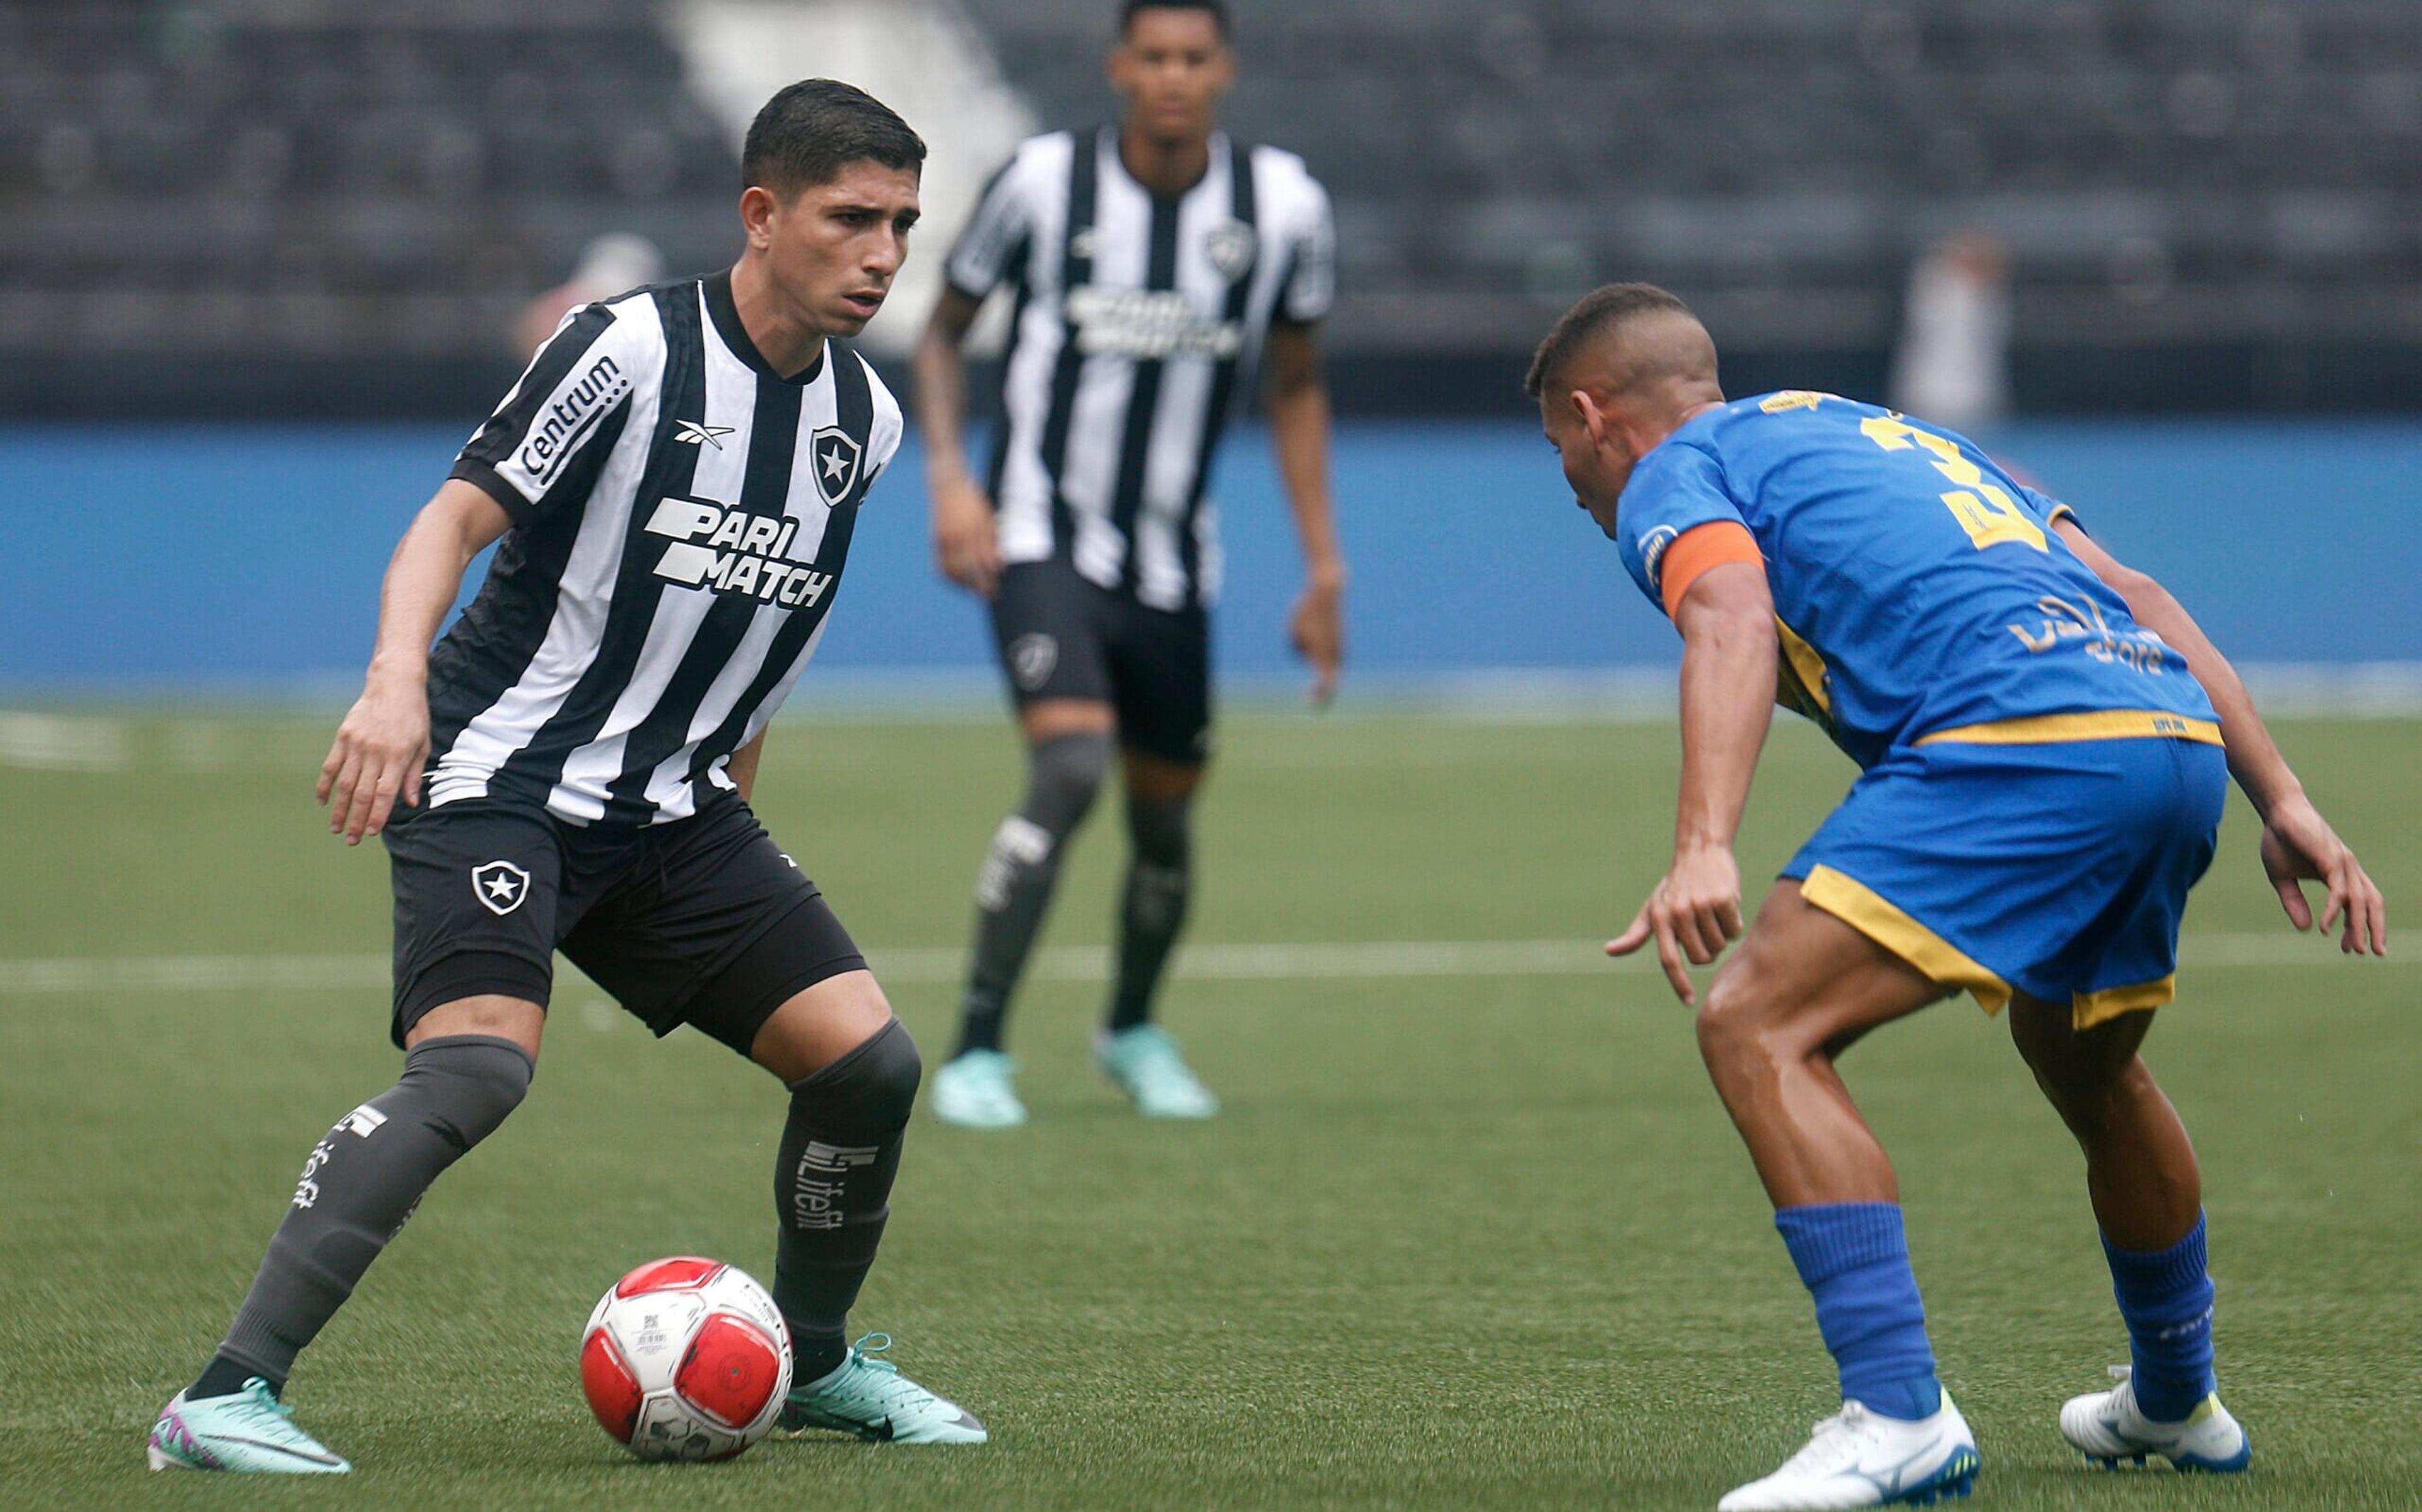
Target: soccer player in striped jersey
(1155, 264)
(673, 485)
(2046, 738)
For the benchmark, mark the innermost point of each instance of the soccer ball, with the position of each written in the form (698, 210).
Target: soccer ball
(686, 1359)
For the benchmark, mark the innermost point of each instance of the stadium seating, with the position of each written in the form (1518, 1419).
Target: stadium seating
(2150, 164)
(276, 177)
(313, 177)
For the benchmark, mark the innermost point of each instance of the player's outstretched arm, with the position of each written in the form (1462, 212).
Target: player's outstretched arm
(1729, 656)
(383, 740)
(1298, 407)
(2298, 845)
(965, 544)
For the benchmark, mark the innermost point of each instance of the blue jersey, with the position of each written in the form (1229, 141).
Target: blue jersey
(1920, 591)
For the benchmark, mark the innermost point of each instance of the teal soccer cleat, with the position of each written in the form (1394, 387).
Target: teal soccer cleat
(1144, 1063)
(973, 1091)
(251, 1432)
(870, 1398)
(2109, 1427)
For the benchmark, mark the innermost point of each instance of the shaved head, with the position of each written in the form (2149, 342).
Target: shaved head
(1621, 339)
(1625, 368)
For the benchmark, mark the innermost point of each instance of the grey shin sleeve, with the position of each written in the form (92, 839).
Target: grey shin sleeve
(361, 1182)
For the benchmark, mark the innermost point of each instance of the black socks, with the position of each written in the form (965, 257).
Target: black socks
(1152, 909)
(832, 1186)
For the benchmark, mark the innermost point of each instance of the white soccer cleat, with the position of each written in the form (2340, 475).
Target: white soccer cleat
(974, 1091)
(2109, 1427)
(1857, 1457)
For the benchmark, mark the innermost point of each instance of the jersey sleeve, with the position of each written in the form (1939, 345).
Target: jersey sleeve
(2045, 507)
(883, 435)
(994, 239)
(1311, 284)
(1675, 489)
(540, 450)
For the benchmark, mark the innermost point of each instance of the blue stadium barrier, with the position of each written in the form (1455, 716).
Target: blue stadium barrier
(245, 559)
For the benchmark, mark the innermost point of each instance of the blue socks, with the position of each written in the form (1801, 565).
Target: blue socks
(1854, 1259)
(2165, 1296)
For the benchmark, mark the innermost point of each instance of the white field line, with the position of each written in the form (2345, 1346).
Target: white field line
(932, 965)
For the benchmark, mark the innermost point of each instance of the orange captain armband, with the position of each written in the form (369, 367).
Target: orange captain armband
(1698, 548)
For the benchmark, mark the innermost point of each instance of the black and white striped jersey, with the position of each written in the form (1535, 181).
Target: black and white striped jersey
(1136, 318)
(681, 515)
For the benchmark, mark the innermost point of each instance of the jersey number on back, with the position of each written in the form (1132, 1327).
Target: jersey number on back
(1989, 516)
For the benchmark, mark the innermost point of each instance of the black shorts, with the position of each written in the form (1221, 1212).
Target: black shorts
(701, 921)
(1064, 636)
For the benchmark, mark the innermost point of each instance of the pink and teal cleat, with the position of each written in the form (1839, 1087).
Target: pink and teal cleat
(250, 1432)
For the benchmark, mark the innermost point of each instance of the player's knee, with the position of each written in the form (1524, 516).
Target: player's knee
(1067, 775)
(1729, 1024)
(1745, 1023)
(872, 1087)
(2082, 1075)
(2090, 1094)
(895, 1070)
(466, 1084)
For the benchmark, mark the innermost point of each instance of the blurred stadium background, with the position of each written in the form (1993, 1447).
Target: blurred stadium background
(262, 262)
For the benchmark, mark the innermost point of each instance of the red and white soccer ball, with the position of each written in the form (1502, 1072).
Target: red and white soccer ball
(686, 1359)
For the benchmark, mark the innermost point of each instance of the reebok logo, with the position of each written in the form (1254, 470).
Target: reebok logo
(735, 553)
(693, 433)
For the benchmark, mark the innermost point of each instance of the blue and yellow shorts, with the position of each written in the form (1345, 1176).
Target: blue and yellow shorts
(2059, 868)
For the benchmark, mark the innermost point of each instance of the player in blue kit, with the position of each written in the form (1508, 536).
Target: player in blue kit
(2045, 737)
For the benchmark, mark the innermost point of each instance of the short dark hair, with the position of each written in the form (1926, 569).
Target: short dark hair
(1218, 10)
(812, 130)
(1598, 310)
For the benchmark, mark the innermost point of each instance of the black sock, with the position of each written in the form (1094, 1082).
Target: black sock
(1014, 890)
(357, 1189)
(1152, 909)
(224, 1376)
(840, 1152)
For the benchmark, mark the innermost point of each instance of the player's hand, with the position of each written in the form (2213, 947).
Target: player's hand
(1316, 629)
(377, 758)
(966, 546)
(2298, 845)
(1693, 914)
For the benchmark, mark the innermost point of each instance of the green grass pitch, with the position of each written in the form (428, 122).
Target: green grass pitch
(1460, 1239)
